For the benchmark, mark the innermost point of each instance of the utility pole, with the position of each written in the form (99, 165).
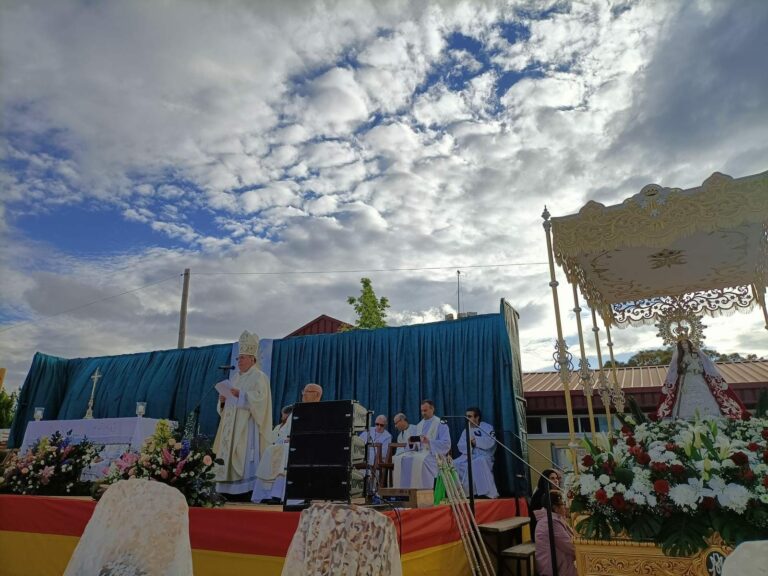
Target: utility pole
(183, 314)
(458, 294)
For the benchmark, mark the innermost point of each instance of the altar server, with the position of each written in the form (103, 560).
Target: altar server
(483, 447)
(246, 421)
(416, 467)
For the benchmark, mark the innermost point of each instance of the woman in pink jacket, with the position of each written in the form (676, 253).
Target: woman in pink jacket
(566, 556)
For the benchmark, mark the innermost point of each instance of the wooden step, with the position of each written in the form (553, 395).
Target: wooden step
(506, 525)
(524, 550)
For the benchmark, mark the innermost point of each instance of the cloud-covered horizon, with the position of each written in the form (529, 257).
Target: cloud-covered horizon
(139, 139)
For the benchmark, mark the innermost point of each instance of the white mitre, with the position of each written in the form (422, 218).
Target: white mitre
(249, 344)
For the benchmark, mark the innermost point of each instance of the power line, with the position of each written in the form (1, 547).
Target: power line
(358, 271)
(81, 306)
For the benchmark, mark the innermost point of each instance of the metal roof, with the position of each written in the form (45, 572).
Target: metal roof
(750, 372)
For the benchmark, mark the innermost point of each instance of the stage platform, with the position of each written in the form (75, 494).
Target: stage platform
(38, 535)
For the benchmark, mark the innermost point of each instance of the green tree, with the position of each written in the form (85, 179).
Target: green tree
(371, 311)
(7, 408)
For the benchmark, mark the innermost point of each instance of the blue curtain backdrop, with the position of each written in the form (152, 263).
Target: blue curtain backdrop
(171, 382)
(457, 364)
(460, 363)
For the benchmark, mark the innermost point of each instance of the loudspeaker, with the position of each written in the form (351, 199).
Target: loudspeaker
(328, 449)
(324, 483)
(324, 445)
(331, 416)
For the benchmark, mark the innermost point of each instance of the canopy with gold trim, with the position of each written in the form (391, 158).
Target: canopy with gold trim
(704, 250)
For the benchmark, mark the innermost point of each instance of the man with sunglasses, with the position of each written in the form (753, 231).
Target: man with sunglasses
(377, 434)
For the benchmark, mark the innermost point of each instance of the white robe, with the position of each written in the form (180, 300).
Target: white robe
(243, 432)
(270, 474)
(416, 467)
(384, 438)
(482, 461)
(402, 438)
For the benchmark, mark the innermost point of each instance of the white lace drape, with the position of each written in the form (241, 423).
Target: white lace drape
(139, 528)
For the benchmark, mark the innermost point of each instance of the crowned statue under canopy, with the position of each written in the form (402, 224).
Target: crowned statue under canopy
(695, 388)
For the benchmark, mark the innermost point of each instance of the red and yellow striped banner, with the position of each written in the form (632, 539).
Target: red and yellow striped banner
(38, 535)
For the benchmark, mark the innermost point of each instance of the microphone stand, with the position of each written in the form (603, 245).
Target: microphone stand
(196, 410)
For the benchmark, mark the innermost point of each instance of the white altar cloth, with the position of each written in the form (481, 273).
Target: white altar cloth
(116, 434)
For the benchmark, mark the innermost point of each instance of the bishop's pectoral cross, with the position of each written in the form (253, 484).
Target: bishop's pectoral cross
(96, 376)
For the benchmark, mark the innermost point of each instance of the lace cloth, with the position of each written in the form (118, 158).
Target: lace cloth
(139, 528)
(343, 540)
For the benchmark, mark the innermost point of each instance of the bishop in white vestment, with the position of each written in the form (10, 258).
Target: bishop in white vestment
(416, 467)
(483, 447)
(246, 421)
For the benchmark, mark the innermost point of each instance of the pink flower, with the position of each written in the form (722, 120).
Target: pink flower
(164, 474)
(167, 457)
(207, 460)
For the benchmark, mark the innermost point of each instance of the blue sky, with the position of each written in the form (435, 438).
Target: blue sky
(140, 139)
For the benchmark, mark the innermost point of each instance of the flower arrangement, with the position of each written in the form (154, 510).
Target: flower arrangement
(165, 457)
(51, 467)
(675, 483)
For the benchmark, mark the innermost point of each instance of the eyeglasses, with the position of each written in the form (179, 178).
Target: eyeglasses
(380, 424)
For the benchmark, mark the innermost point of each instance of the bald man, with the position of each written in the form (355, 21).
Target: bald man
(312, 393)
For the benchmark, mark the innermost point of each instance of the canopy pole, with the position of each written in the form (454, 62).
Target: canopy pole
(603, 387)
(585, 374)
(618, 393)
(562, 361)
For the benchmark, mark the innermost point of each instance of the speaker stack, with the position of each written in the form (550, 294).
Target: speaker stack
(323, 448)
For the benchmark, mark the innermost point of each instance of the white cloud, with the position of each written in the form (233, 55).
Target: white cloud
(285, 136)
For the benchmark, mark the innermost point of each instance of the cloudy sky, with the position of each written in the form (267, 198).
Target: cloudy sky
(273, 147)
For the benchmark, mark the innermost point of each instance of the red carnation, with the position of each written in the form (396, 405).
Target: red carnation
(588, 461)
(753, 446)
(708, 503)
(618, 501)
(765, 433)
(601, 496)
(626, 430)
(643, 458)
(740, 459)
(631, 441)
(765, 456)
(659, 467)
(608, 467)
(671, 446)
(661, 487)
(748, 475)
(677, 469)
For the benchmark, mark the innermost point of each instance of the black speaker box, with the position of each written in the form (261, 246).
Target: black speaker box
(323, 483)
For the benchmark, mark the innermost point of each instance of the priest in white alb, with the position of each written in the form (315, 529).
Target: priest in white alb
(483, 447)
(270, 475)
(416, 467)
(245, 407)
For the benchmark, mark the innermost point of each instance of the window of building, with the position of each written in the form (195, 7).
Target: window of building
(533, 425)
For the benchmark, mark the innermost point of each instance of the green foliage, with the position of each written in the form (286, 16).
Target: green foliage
(7, 407)
(371, 311)
(654, 357)
(683, 535)
(645, 526)
(597, 527)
